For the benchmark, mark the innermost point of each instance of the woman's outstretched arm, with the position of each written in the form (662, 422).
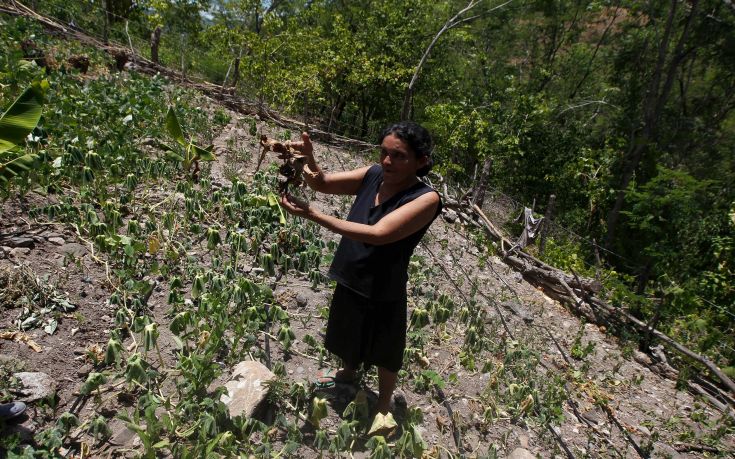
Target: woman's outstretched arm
(393, 227)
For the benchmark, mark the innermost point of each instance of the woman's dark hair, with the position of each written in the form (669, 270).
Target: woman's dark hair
(416, 137)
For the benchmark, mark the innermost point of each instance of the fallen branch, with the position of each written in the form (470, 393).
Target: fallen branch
(563, 286)
(641, 326)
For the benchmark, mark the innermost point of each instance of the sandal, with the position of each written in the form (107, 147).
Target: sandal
(327, 380)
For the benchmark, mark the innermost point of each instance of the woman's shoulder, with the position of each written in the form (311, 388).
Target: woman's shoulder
(372, 175)
(374, 171)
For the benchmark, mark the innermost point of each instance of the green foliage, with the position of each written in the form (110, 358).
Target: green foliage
(427, 380)
(580, 351)
(16, 124)
(187, 153)
(21, 117)
(93, 382)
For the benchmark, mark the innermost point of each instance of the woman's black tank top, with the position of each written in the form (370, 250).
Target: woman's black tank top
(378, 272)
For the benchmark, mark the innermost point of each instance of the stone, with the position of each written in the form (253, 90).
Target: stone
(399, 398)
(661, 449)
(36, 385)
(124, 437)
(19, 251)
(72, 248)
(301, 300)
(56, 240)
(20, 242)
(523, 440)
(449, 216)
(246, 389)
(521, 453)
(84, 370)
(641, 358)
(591, 416)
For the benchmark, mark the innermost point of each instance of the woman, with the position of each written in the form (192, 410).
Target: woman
(391, 212)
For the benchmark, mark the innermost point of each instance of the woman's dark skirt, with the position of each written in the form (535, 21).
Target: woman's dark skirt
(360, 330)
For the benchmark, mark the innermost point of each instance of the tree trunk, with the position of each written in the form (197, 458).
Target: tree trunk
(183, 59)
(336, 112)
(106, 16)
(155, 41)
(654, 102)
(365, 117)
(478, 195)
(236, 72)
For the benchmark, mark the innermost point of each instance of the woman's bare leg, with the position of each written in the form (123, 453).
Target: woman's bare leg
(347, 373)
(386, 385)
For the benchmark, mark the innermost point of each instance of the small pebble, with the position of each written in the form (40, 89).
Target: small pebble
(84, 370)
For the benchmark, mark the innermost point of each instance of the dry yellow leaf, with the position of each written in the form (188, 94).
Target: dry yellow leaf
(96, 353)
(203, 338)
(154, 245)
(21, 337)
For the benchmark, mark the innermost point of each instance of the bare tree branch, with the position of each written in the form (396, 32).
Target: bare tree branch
(453, 22)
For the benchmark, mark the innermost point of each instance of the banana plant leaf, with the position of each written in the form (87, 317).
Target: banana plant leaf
(171, 152)
(203, 154)
(20, 119)
(11, 165)
(174, 127)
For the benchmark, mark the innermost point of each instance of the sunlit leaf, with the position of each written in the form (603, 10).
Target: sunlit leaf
(21, 117)
(173, 126)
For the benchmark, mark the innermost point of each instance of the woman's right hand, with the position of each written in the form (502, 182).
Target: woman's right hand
(304, 147)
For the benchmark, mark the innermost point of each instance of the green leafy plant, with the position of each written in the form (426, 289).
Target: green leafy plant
(17, 122)
(187, 153)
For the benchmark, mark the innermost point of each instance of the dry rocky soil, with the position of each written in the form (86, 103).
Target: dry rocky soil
(611, 403)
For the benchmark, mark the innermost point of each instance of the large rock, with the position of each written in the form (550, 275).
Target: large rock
(20, 242)
(246, 389)
(520, 453)
(36, 385)
(19, 252)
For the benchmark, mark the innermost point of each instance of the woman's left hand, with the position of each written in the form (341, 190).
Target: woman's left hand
(295, 206)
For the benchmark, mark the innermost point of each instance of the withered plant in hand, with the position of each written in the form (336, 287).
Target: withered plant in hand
(292, 168)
